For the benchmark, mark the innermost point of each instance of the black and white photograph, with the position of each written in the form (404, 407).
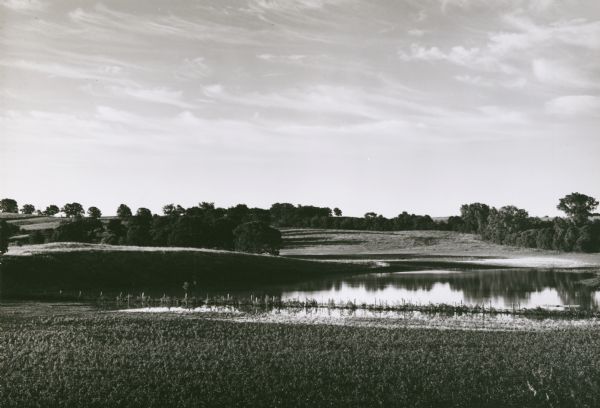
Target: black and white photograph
(299, 203)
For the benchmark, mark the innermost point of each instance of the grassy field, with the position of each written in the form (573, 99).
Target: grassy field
(45, 270)
(341, 243)
(110, 359)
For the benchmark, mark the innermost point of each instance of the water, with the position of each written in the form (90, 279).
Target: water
(499, 288)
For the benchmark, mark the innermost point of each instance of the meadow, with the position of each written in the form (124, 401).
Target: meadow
(113, 359)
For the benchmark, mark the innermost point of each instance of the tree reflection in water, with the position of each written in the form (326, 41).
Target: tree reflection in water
(501, 287)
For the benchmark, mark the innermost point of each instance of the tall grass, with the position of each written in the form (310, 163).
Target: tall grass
(95, 360)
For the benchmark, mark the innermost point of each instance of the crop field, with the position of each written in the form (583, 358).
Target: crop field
(112, 359)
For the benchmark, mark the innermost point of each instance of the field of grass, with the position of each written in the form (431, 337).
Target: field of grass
(332, 243)
(44, 270)
(111, 359)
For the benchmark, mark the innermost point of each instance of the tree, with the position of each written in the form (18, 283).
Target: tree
(37, 237)
(172, 209)
(475, 216)
(138, 231)
(337, 212)
(143, 213)
(8, 205)
(4, 234)
(503, 224)
(51, 210)
(27, 209)
(257, 237)
(124, 211)
(79, 230)
(371, 215)
(73, 210)
(94, 212)
(578, 206)
(116, 232)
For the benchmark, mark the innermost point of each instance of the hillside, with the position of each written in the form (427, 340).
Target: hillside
(336, 244)
(67, 268)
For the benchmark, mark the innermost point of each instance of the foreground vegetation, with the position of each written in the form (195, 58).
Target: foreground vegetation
(110, 359)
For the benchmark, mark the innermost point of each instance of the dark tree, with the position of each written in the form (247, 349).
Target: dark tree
(27, 209)
(172, 209)
(284, 214)
(37, 237)
(190, 231)
(51, 210)
(370, 215)
(503, 224)
(207, 206)
(79, 230)
(238, 214)
(144, 213)
(116, 232)
(124, 211)
(8, 205)
(578, 206)
(94, 212)
(475, 216)
(4, 235)
(257, 237)
(139, 228)
(73, 210)
(337, 212)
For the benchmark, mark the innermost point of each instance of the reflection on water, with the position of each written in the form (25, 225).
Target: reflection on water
(500, 288)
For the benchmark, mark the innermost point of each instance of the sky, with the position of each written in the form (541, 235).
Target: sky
(384, 106)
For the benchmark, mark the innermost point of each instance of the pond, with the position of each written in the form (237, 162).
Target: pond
(499, 288)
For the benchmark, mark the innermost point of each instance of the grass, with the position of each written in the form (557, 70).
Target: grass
(45, 270)
(263, 303)
(109, 359)
(322, 242)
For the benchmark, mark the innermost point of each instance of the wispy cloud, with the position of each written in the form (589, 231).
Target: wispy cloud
(472, 58)
(574, 105)
(560, 74)
(22, 5)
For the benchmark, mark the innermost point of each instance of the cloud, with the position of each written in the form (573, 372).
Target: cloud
(103, 73)
(284, 58)
(286, 5)
(473, 58)
(474, 80)
(527, 34)
(159, 95)
(22, 5)
(574, 105)
(416, 32)
(559, 74)
(193, 68)
(107, 23)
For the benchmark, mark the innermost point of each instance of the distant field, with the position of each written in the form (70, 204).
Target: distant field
(321, 242)
(30, 223)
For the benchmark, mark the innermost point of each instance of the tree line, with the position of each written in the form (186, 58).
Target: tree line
(510, 225)
(251, 229)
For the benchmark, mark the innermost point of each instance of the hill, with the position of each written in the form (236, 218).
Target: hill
(340, 244)
(68, 268)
